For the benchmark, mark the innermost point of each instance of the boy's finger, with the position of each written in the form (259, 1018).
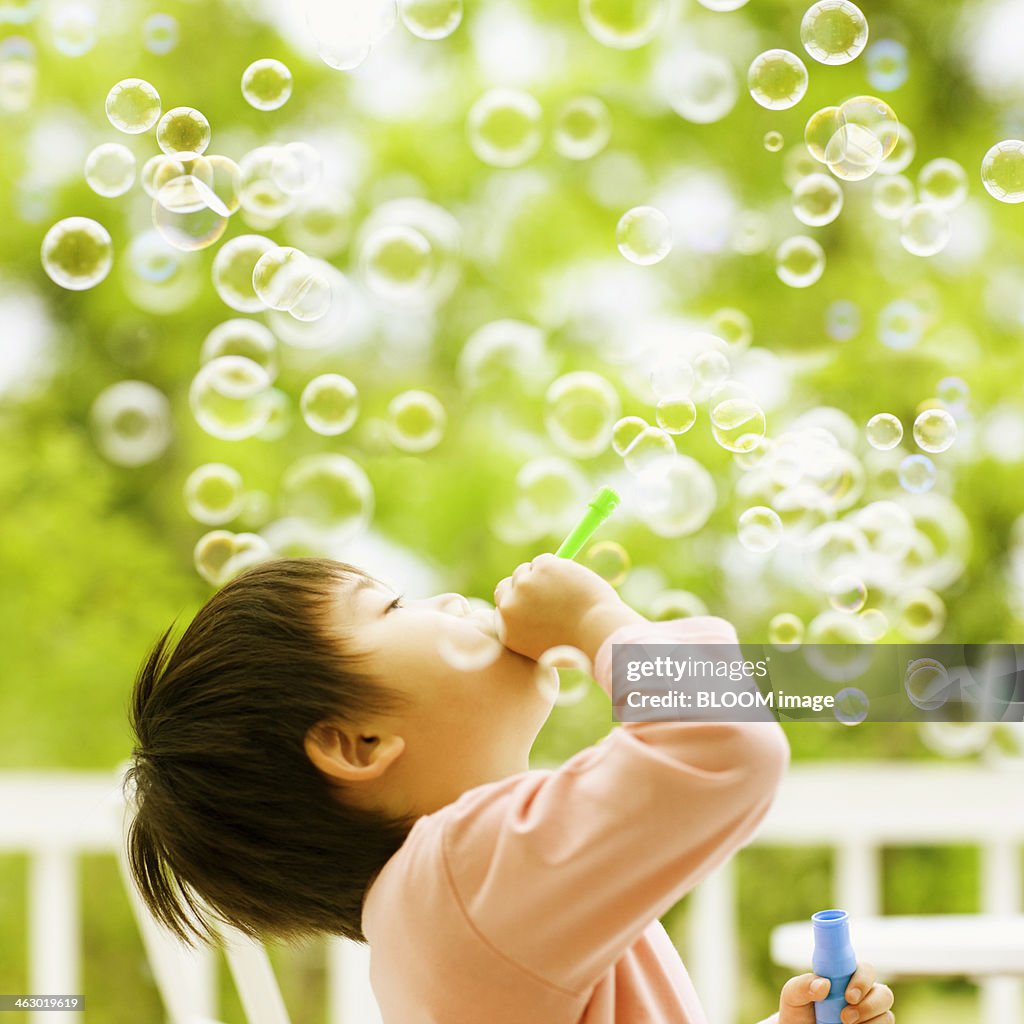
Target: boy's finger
(862, 980)
(521, 570)
(804, 989)
(501, 590)
(872, 1007)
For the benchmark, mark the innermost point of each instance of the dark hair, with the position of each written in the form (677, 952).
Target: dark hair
(229, 806)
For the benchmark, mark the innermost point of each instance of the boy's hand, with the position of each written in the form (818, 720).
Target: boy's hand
(869, 1002)
(551, 601)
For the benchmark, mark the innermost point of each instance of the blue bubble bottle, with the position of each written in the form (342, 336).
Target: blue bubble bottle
(833, 958)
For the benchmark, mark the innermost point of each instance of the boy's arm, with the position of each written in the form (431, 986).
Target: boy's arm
(561, 871)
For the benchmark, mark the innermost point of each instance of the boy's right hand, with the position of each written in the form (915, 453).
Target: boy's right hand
(550, 601)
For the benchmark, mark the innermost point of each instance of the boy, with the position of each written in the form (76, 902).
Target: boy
(307, 762)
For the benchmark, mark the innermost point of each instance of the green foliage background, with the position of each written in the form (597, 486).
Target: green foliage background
(96, 559)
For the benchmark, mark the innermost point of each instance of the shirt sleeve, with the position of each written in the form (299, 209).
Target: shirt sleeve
(561, 871)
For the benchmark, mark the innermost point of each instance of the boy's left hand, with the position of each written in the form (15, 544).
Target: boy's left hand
(869, 1002)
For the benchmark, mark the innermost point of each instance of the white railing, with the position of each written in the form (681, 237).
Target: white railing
(854, 807)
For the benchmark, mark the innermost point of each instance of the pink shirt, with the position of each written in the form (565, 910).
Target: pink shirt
(535, 899)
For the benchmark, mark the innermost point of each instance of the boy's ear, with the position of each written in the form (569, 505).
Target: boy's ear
(350, 754)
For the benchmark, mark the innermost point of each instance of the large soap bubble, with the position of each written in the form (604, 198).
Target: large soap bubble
(77, 253)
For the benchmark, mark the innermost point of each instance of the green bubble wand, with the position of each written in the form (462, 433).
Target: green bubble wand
(600, 508)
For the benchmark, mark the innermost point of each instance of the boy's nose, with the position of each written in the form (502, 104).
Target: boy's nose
(454, 604)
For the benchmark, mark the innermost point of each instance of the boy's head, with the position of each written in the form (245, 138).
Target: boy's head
(288, 743)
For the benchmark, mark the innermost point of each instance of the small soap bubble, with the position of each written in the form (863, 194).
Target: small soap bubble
(847, 594)
(469, 650)
(329, 404)
(884, 431)
(738, 424)
(927, 684)
(942, 182)
(266, 84)
(74, 29)
(834, 31)
(321, 223)
(675, 415)
(842, 320)
(183, 130)
(214, 493)
(773, 141)
(583, 127)
(580, 409)
(179, 182)
(220, 555)
(799, 261)
(230, 397)
(820, 128)
(550, 489)
(650, 452)
(644, 235)
(786, 631)
(626, 431)
(260, 196)
(873, 625)
(110, 169)
(925, 229)
(876, 116)
(131, 423)
(887, 67)
(817, 200)
(160, 33)
(563, 675)
(854, 153)
(900, 324)
(431, 19)
(281, 276)
(133, 106)
(609, 560)
(189, 231)
(233, 268)
(893, 196)
(397, 262)
(851, 706)
(701, 87)
(759, 529)
(416, 421)
(329, 490)
(777, 79)
(77, 253)
(624, 26)
(1002, 171)
(934, 430)
(922, 614)
(733, 326)
(953, 393)
(917, 474)
(504, 127)
(240, 337)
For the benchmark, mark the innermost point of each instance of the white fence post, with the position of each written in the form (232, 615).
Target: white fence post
(350, 999)
(54, 939)
(1001, 894)
(858, 888)
(713, 949)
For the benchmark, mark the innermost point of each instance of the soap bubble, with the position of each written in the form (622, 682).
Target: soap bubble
(759, 528)
(799, 261)
(820, 128)
(922, 615)
(847, 594)
(773, 141)
(416, 421)
(925, 229)
(431, 19)
(110, 169)
(183, 130)
(131, 422)
(834, 31)
(676, 604)
(189, 231)
(786, 631)
(282, 276)
(230, 397)
(346, 31)
(884, 431)
(1002, 171)
(296, 167)
(233, 268)
(777, 79)
(893, 196)
(156, 277)
(701, 87)
(842, 320)
(854, 153)
(817, 200)
(737, 423)
(626, 431)
(927, 684)
(900, 324)
(580, 409)
(77, 253)
(240, 337)
(18, 12)
(934, 430)
(321, 223)
(260, 195)
(160, 33)
(74, 29)
(583, 127)
(942, 182)
(180, 182)
(873, 625)
(133, 106)
(214, 493)
(644, 235)
(266, 84)
(501, 353)
(917, 474)
(649, 452)
(876, 116)
(624, 24)
(550, 490)
(733, 326)
(564, 675)
(220, 555)
(675, 415)
(682, 498)
(397, 262)
(504, 127)
(952, 392)
(330, 404)
(469, 651)
(609, 560)
(329, 490)
(710, 369)
(887, 64)
(851, 706)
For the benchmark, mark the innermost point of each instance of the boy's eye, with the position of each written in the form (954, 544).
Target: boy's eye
(395, 603)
